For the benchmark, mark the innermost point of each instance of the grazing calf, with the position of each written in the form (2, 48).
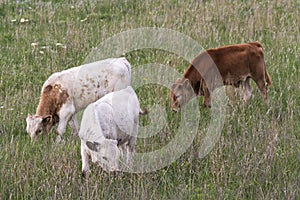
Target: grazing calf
(67, 92)
(109, 129)
(230, 65)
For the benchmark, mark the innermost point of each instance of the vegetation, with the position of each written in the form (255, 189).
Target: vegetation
(258, 153)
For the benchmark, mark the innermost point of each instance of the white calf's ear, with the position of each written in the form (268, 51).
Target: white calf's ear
(92, 145)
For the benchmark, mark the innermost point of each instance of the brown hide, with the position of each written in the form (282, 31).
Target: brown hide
(228, 65)
(235, 63)
(52, 99)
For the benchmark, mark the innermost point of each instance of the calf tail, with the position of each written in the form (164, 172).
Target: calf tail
(267, 76)
(127, 64)
(143, 112)
(268, 79)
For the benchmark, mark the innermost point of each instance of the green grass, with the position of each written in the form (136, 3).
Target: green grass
(258, 153)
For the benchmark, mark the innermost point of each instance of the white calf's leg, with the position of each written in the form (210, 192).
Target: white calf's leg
(123, 153)
(131, 145)
(130, 155)
(74, 125)
(85, 160)
(65, 113)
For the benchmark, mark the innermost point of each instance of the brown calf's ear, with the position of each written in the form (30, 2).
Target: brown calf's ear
(178, 80)
(179, 86)
(47, 119)
(173, 86)
(186, 82)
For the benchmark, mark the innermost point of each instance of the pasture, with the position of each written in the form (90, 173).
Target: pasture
(258, 153)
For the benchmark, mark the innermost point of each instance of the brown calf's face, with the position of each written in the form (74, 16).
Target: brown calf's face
(181, 92)
(37, 125)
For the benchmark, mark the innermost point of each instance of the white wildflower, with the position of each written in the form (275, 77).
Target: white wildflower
(83, 20)
(34, 44)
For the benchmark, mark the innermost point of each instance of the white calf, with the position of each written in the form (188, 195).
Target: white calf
(67, 92)
(107, 124)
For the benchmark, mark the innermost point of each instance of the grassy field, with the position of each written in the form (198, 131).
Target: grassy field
(258, 153)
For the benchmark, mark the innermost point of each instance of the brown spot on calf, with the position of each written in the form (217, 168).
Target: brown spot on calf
(52, 99)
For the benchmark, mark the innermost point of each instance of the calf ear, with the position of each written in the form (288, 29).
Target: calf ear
(47, 119)
(186, 83)
(180, 87)
(173, 86)
(47, 89)
(92, 145)
(28, 117)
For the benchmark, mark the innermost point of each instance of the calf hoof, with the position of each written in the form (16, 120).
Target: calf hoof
(85, 174)
(266, 101)
(116, 174)
(59, 140)
(75, 132)
(207, 105)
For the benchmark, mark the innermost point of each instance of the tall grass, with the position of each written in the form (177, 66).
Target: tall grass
(257, 156)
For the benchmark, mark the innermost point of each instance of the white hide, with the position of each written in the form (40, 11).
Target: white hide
(109, 123)
(89, 82)
(85, 84)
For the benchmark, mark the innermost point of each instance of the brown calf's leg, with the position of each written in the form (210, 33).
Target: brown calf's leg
(262, 86)
(206, 99)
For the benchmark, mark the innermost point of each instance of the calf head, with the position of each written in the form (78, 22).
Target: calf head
(37, 125)
(108, 154)
(181, 93)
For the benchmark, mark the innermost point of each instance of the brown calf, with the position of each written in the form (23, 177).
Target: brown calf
(229, 65)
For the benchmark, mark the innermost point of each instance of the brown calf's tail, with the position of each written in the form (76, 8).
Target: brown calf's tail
(268, 79)
(267, 76)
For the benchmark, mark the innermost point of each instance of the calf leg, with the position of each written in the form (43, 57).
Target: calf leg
(206, 100)
(247, 90)
(128, 151)
(124, 153)
(262, 86)
(85, 160)
(65, 113)
(74, 125)
(130, 154)
(131, 144)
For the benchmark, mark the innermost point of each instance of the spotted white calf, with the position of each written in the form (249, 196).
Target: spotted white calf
(109, 129)
(67, 92)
